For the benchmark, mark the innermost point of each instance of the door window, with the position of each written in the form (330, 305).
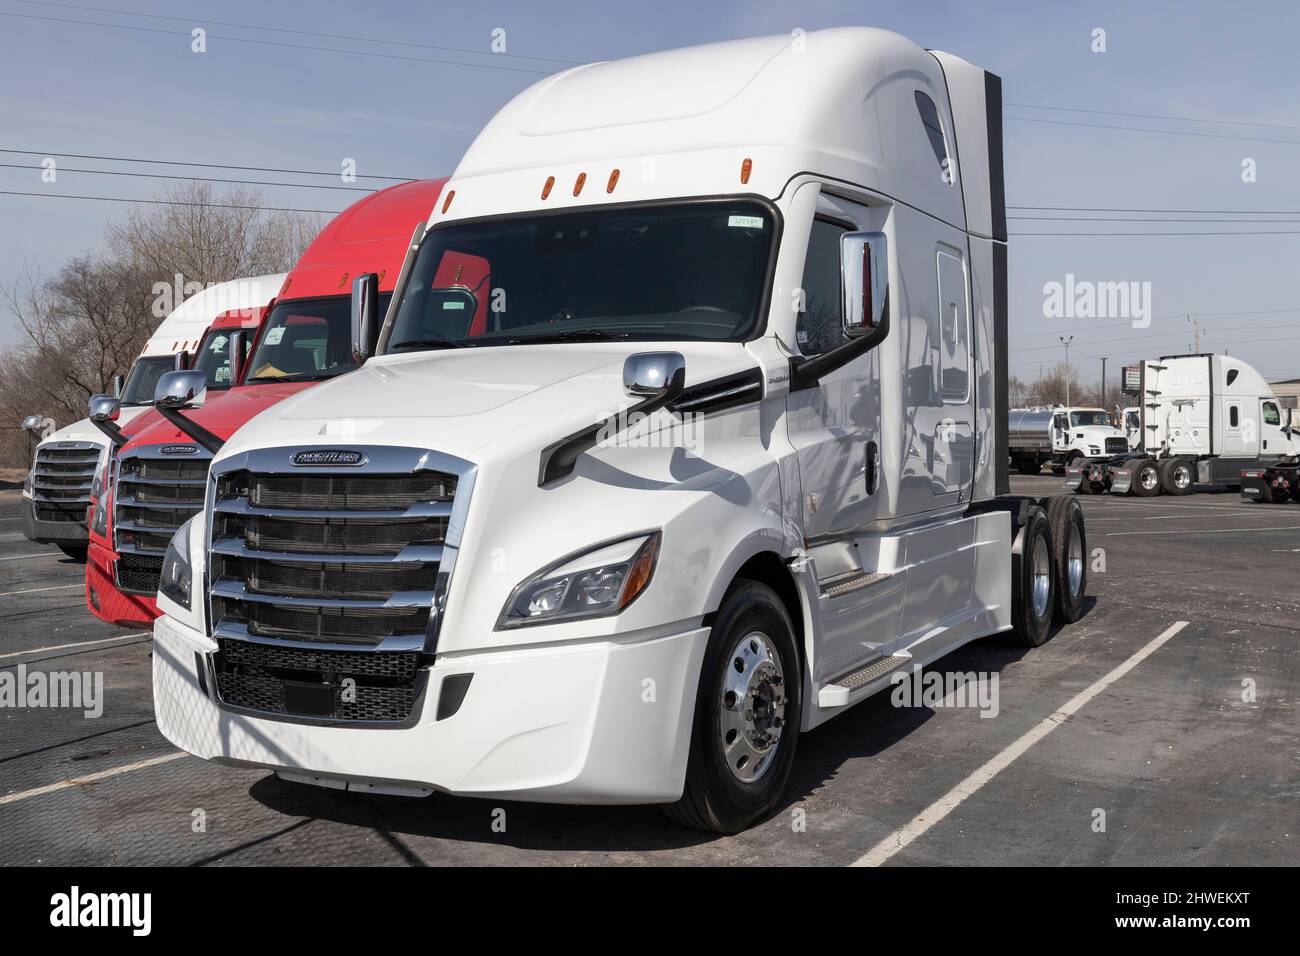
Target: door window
(820, 326)
(1271, 415)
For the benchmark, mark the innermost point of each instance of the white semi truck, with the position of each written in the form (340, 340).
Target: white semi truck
(726, 450)
(58, 488)
(1061, 436)
(1204, 419)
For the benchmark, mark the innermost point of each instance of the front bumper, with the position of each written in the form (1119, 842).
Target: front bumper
(592, 722)
(105, 600)
(53, 532)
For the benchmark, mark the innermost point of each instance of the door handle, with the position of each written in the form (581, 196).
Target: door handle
(871, 456)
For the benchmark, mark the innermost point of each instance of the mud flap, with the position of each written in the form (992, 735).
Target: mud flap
(1121, 480)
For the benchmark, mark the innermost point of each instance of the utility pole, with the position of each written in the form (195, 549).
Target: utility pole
(1066, 342)
(1196, 335)
(1103, 381)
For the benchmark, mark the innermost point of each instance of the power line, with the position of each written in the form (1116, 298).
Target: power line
(197, 179)
(178, 162)
(1199, 212)
(305, 33)
(1157, 116)
(1179, 317)
(167, 202)
(1141, 219)
(278, 43)
(1280, 232)
(1152, 129)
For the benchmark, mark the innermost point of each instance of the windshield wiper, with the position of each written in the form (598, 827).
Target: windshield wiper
(433, 342)
(571, 335)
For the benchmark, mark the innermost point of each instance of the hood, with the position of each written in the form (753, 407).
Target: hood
(460, 401)
(223, 412)
(83, 430)
(1098, 431)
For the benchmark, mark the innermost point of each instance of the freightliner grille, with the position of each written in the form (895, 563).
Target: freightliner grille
(61, 480)
(154, 494)
(314, 576)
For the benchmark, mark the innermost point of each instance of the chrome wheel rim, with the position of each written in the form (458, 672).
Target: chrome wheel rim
(752, 707)
(1074, 560)
(1182, 477)
(1148, 478)
(1042, 589)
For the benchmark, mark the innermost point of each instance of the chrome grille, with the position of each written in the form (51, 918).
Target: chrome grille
(346, 564)
(1116, 446)
(153, 495)
(62, 478)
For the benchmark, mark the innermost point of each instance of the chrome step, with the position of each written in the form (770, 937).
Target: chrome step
(836, 693)
(853, 581)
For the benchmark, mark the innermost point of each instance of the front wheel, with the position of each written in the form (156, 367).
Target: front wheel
(747, 713)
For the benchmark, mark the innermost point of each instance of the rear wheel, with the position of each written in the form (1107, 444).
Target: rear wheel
(1278, 494)
(747, 713)
(77, 552)
(1176, 476)
(1069, 556)
(1028, 466)
(1033, 584)
(1146, 478)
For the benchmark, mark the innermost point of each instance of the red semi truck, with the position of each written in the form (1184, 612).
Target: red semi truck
(158, 478)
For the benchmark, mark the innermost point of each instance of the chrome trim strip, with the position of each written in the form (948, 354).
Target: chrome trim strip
(399, 643)
(411, 554)
(231, 590)
(240, 506)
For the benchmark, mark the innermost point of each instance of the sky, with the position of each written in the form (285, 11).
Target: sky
(271, 91)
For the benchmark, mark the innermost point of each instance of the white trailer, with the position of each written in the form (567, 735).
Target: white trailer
(1060, 436)
(1203, 420)
(725, 454)
(58, 488)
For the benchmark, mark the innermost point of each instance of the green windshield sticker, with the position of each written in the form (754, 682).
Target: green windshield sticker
(745, 222)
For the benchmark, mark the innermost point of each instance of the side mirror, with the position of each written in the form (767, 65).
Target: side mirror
(652, 374)
(104, 408)
(178, 389)
(119, 382)
(235, 351)
(32, 423)
(182, 361)
(864, 266)
(365, 315)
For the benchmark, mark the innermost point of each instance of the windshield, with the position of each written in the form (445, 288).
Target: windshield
(143, 378)
(306, 339)
(213, 357)
(1078, 419)
(650, 273)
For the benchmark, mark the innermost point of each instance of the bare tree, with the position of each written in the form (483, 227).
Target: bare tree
(89, 321)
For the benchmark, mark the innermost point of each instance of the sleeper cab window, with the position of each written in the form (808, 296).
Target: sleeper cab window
(933, 127)
(819, 326)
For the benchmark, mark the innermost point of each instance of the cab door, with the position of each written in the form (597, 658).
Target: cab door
(1272, 440)
(834, 427)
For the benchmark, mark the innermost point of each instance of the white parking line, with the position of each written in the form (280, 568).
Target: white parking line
(60, 647)
(927, 818)
(36, 554)
(1285, 527)
(57, 587)
(89, 778)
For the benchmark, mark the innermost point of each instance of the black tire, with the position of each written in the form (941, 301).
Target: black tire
(1295, 492)
(1177, 476)
(1278, 495)
(1085, 486)
(1146, 478)
(715, 798)
(1069, 556)
(77, 552)
(1031, 620)
(1029, 466)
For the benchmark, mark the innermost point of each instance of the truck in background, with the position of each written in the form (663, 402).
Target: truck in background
(1060, 436)
(160, 475)
(492, 560)
(58, 492)
(1204, 420)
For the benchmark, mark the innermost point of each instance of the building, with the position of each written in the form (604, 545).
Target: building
(1288, 391)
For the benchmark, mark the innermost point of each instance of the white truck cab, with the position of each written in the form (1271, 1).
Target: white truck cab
(66, 460)
(1203, 419)
(685, 430)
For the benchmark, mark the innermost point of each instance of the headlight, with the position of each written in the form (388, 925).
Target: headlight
(595, 583)
(175, 579)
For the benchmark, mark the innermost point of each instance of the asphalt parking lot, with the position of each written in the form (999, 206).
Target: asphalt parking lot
(1159, 744)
